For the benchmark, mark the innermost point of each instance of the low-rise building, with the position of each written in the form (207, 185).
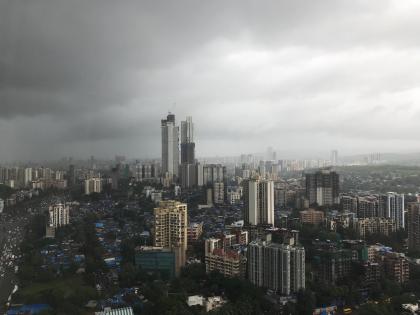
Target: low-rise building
(383, 226)
(311, 216)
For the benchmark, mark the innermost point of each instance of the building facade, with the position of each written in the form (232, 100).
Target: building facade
(170, 146)
(258, 202)
(278, 267)
(59, 215)
(171, 229)
(322, 188)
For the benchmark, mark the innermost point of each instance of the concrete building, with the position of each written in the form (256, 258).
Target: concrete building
(322, 188)
(396, 266)
(394, 206)
(225, 254)
(195, 230)
(311, 216)
(93, 185)
(187, 142)
(277, 267)
(413, 225)
(383, 226)
(334, 264)
(218, 193)
(59, 215)
(258, 202)
(188, 169)
(229, 262)
(171, 229)
(213, 173)
(170, 146)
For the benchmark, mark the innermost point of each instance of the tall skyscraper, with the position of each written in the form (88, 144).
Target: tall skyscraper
(322, 187)
(259, 202)
(278, 267)
(334, 157)
(170, 146)
(171, 229)
(391, 205)
(188, 168)
(187, 141)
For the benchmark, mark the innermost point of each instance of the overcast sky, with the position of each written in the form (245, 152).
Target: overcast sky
(95, 77)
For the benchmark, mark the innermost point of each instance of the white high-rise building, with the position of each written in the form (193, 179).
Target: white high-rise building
(93, 185)
(259, 202)
(170, 146)
(394, 208)
(334, 157)
(59, 215)
(28, 176)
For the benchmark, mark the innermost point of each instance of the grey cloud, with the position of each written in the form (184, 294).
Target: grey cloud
(95, 77)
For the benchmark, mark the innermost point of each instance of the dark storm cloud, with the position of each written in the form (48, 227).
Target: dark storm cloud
(95, 77)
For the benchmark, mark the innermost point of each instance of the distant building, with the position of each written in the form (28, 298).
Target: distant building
(394, 207)
(59, 215)
(229, 262)
(334, 264)
(187, 142)
(371, 273)
(383, 226)
(322, 188)
(397, 267)
(213, 173)
(413, 224)
(259, 202)
(334, 157)
(195, 230)
(170, 146)
(225, 254)
(93, 185)
(218, 193)
(311, 216)
(277, 267)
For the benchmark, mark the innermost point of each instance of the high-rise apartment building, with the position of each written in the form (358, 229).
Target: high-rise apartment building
(322, 187)
(334, 157)
(188, 169)
(59, 215)
(413, 224)
(93, 185)
(170, 146)
(28, 176)
(187, 141)
(278, 267)
(218, 193)
(392, 206)
(397, 267)
(258, 202)
(383, 226)
(171, 229)
(213, 173)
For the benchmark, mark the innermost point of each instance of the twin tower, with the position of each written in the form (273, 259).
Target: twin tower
(172, 169)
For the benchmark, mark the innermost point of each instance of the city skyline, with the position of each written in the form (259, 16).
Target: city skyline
(302, 77)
